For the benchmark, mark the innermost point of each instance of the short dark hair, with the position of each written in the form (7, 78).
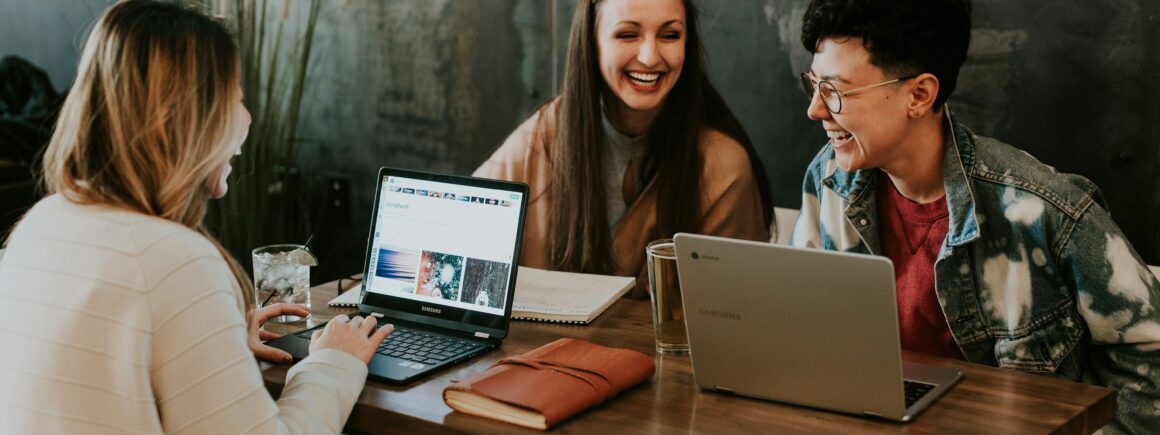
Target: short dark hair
(904, 37)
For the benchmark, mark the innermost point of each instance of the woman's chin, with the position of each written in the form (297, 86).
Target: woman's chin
(219, 191)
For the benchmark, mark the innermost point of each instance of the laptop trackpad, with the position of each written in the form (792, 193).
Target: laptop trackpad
(297, 345)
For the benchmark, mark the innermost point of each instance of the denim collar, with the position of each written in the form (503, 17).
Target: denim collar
(959, 156)
(857, 187)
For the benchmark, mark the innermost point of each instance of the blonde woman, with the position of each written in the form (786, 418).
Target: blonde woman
(119, 312)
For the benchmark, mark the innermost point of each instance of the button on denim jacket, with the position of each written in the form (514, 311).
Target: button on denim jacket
(1033, 274)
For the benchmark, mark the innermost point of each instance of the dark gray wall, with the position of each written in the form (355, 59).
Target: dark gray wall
(437, 84)
(421, 84)
(1075, 83)
(48, 33)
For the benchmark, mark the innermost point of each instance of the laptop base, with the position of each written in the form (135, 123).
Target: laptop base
(388, 364)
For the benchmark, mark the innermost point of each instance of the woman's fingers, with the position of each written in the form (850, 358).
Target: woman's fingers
(271, 354)
(270, 311)
(337, 321)
(358, 336)
(368, 326)
(382, 333)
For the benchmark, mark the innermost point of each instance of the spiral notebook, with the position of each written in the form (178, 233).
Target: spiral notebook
(565, 297)
(349, 298)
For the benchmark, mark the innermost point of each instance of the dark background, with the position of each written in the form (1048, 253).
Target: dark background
(437, 85)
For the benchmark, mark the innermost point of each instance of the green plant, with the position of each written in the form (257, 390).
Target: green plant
(265, 203)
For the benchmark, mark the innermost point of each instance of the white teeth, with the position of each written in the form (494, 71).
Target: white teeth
(838, 135)
(644, 78)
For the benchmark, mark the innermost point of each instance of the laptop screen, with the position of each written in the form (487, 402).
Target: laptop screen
(445, 247)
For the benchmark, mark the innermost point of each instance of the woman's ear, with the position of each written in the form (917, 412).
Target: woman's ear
(923, 92)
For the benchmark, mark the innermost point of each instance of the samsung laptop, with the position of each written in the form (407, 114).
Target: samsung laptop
(441, 262)
(802, 326)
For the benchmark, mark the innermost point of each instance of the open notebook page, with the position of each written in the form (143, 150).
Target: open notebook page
(565, 296)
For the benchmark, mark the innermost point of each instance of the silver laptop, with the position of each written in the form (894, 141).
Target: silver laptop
(802, 326)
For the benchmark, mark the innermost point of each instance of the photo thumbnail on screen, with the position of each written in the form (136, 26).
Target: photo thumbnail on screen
(485, 283)
(397, 267)
(440, 275)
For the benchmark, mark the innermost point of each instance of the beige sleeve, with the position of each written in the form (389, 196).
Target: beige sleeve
(510, 160)
(204, 377)
(731, 200)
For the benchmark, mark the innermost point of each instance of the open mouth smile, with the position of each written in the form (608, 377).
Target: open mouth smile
(644, 80)
(838, 135)
(839, 138)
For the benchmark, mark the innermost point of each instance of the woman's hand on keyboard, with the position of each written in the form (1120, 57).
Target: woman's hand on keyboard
(356, 336)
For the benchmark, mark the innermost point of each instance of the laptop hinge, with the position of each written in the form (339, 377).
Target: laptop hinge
(872, 414)
(482, 334)
(724, 390)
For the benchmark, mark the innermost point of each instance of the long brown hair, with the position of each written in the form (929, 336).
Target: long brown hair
(581, 238)
(149, 117)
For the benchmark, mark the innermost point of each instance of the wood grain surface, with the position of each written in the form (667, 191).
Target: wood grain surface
(988, 400)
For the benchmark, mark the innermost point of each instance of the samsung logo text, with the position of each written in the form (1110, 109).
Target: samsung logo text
(721, 314)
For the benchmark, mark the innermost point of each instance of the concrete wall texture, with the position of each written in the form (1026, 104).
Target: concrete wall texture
(438, 84)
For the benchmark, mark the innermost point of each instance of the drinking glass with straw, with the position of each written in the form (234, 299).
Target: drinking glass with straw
(282, 274)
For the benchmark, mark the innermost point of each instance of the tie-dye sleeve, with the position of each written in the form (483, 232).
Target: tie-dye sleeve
(1118, 297)
(807, 229)
(822, 222)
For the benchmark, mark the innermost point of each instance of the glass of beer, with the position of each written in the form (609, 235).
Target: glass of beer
(665, 291)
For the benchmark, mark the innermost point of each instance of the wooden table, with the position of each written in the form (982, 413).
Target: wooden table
(988, 400)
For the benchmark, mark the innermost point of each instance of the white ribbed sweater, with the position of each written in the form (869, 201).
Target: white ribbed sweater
(116, 322)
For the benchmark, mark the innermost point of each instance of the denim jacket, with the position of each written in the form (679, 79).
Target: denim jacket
(1033, 273)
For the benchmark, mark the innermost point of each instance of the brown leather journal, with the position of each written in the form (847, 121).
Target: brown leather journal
(549, 384)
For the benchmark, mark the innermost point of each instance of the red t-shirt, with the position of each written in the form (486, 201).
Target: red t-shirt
(911, 236)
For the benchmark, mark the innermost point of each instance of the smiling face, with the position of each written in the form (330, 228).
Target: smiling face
(641, 44)
(871, 130)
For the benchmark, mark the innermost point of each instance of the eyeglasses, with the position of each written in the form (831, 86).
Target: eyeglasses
(831, 96)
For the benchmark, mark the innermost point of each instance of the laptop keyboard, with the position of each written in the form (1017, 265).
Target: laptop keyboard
(424, 347)
(915, 391)
(421, 346)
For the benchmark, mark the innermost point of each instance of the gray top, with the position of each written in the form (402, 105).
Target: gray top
(618, 152)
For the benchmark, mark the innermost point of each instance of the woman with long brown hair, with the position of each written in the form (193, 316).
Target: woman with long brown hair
(123, 314)
(637, 146)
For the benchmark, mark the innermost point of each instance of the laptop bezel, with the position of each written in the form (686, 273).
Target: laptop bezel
(468, 322)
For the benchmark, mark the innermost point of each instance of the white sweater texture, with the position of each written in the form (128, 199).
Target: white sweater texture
(112, 321)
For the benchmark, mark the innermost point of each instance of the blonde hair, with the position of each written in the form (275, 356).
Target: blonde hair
(149, 118)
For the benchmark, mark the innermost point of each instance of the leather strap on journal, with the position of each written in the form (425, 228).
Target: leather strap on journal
(559, 379)
(598, 382)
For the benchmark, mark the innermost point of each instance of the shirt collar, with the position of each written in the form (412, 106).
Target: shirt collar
(614, 134)
(959, 154)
